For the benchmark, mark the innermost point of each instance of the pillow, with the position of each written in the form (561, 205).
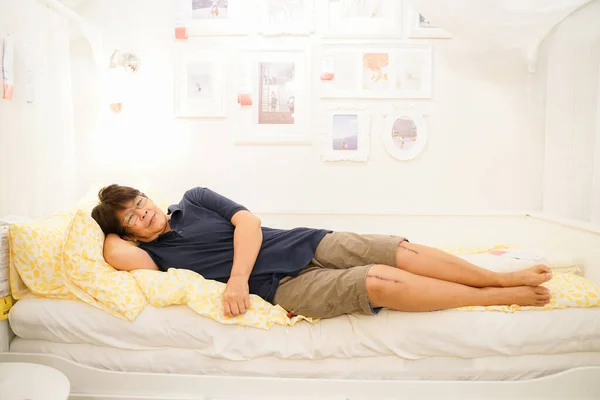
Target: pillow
(90, 278)
(35, 257)
(568, 291)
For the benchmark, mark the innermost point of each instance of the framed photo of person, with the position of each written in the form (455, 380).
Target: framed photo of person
(346, 135)
(404, 133)
(278, 87)
(199, 84)
(217, 17)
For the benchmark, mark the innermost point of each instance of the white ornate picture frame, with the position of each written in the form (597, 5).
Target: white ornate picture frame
(419, 27)
(279, 90)
(346, 135)
(199, 83)
(375, 72)
(360, 18)
(404, 133)
(286, 17)
(217, 17)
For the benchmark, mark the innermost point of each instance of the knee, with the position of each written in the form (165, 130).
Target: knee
(405, 254)
(378, 285)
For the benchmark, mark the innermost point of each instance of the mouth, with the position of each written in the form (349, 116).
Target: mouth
(151, 219)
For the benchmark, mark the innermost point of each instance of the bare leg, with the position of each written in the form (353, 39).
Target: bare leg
(400, 290)
(434, 263)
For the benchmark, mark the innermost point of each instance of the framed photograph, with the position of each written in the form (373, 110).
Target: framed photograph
(278, 87)
(360, 18)
(404, 134)
(419, 27)
(402, 72)
(217, 17)
(199, 83)
(347, 134)
(286, 17)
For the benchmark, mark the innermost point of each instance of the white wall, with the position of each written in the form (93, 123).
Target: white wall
(482, 154)
(36, 139)
(570, 68)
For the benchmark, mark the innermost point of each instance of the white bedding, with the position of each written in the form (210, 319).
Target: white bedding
(189, 361)
(409, 336)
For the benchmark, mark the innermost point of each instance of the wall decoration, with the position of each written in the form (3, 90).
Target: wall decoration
(378, 72)
(327, 69)
(216, 17)
(404, 133)
(419, 27)
(347, 134)
(286, 17)
(279, 113)
(199, 83)
(360, 18)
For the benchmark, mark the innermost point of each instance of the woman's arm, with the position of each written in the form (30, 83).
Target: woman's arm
(124, 256)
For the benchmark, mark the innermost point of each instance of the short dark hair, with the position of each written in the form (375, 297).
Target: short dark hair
(113, 198)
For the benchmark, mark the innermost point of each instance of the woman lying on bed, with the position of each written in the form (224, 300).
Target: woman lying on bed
(311, 272)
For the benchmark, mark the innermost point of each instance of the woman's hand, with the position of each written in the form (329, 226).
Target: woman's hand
(236, 298)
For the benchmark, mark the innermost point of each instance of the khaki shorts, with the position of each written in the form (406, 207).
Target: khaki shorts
(335, 282)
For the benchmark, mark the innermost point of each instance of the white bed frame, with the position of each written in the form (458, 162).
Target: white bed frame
(528, 229)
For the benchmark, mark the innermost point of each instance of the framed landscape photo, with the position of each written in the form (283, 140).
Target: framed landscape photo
(286, 17)
(360, 18)
(347, 134)
(199, 84)
(404, 134)
(279, 89)
(419, 27)
(401, 72)
(218, 17)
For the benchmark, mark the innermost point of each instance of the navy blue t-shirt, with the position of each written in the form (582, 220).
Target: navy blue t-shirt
(201, 240)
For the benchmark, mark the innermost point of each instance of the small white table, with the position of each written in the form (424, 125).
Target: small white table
(28, 381)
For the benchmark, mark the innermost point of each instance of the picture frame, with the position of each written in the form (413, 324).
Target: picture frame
(419, 27)
(279, 112)
(404, 133)
(346, 135)
(276, 17)
(217, 17)
(199, 83)
(377, 72)
(360, 19)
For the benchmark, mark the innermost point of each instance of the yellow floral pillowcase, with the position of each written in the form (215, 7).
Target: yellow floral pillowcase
(90, 278)
(36, 257)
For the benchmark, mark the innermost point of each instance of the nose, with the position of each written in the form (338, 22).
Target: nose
(141, 213)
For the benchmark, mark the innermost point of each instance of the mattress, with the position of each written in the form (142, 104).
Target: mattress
(189, 361)
(408, 336)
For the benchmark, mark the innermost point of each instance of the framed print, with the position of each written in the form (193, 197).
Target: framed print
(199, 83)
(278, 86)
(360, 18)
(217, 17)
(286, 17)
(419, 27)
(347, 134)
(404, 134)
(401, 72)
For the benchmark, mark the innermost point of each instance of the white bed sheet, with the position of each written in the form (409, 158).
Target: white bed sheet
(189, 361)
(410, 336)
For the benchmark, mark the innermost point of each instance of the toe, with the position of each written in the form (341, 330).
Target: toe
(543, 268)
(541, 290)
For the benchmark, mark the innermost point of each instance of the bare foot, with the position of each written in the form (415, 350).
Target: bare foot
(526, 296)
(533, 276)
